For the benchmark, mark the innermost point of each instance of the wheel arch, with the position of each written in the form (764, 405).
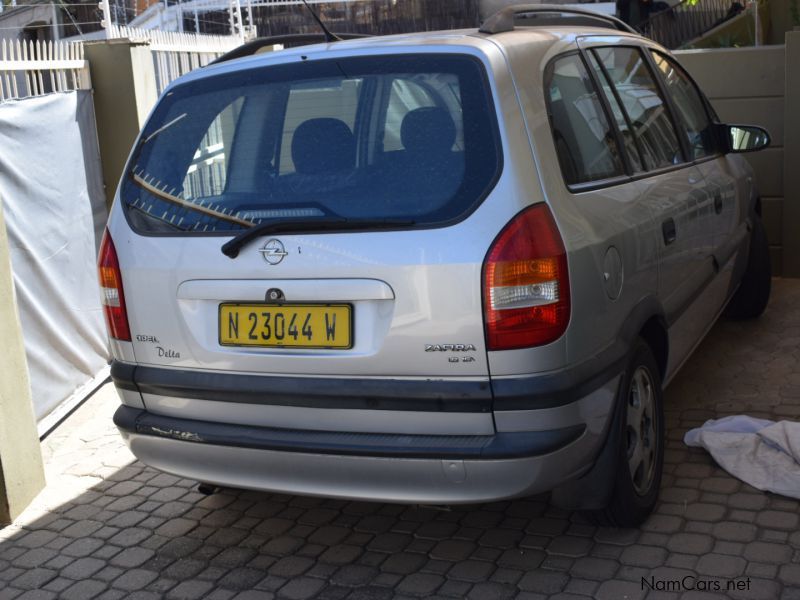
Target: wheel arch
(648, 322)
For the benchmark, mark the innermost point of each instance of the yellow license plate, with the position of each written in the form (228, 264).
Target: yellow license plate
(286, 325)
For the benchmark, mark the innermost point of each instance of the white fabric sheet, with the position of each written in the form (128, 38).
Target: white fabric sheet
(762, 453)
(52, 192)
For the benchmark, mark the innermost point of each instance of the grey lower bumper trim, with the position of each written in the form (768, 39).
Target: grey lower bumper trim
(475, 447)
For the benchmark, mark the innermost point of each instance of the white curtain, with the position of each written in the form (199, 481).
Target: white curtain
(51, 188)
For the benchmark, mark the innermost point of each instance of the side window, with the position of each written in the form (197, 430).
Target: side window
(689, 105)
(585, 142)
(628, 136)
(208, 171)
(642, 101)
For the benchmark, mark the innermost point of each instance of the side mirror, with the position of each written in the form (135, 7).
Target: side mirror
(743, 138)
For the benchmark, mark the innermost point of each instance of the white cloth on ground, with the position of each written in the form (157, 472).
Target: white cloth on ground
(762, 453)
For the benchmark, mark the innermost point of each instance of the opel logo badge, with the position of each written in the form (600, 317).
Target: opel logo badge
(273, 251)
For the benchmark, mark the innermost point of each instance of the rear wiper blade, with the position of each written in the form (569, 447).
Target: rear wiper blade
(231, 247)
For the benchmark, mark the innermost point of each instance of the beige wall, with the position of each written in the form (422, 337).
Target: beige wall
(791, 158)
(747, 85)
(21, 470)
(123, 78)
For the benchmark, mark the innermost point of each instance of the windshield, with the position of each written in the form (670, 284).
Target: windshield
(410, 137)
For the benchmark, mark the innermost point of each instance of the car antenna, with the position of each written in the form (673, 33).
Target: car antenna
(329, 37)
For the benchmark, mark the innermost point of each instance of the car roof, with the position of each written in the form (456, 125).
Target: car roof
(536, 40)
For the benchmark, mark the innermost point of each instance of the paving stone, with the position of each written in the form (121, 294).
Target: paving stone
(662, 523)
(720, 565)
(354, 575)
(241, 578)
(35, 539)
(521, 558)
(388, 542)
(453, 550)
(471, 570)
(134, 579)
(733, 548)
(753, 589)
(130, 558)
(449, 589)
(735, 532)
(701, 511)
(83, 568)
(510, 576)
(747, 501)
(329, 535)
(643, 556)
(29, 595)
(341, 554)
(31, 579)
(778, 520)
(420, 584)
(567, 545)
(491, 591)
(544, 582)
(82, 547)
(790, 574)
(302, 588)
(581, 587)
(107, 574)
(190, 590)
(284, 546)
(59, 584)
(180, 547)
(617, 536)
(233, 557)
(594, 568)
(690, 543)
(291, 566)
(761, 570)
(403, 563)
(615, 589)
(83, 590)
(681, 561)
(34, 558)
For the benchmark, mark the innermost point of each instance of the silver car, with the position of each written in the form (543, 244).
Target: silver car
(447, 267)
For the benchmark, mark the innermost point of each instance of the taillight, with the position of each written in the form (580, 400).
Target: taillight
(112, 297)
(525, 283)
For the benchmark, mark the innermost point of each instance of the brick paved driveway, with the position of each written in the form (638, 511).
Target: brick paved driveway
(108, 527)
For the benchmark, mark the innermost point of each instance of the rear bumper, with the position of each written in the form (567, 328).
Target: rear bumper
(385, 467)
(440, 443)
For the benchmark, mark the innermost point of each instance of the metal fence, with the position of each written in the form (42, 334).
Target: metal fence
(37, 68)
(684, 22)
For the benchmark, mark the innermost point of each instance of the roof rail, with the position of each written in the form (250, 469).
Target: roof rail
(550, 14)
(295, 39)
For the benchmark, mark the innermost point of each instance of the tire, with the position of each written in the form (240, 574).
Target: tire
(750, 300)
(640, 442)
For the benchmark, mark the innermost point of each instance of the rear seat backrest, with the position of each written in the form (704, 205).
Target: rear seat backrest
(323, 146)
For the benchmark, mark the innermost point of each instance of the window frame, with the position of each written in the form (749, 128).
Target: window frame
(548, 75)
(487, 91)
(707, 108)
(644, 49)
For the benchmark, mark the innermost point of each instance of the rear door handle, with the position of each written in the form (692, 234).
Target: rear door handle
(668, 229)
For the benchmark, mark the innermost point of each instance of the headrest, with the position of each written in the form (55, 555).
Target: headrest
(428, 129)
(322, 146)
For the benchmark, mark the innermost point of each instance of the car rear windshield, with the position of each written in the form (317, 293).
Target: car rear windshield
(411, 138)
